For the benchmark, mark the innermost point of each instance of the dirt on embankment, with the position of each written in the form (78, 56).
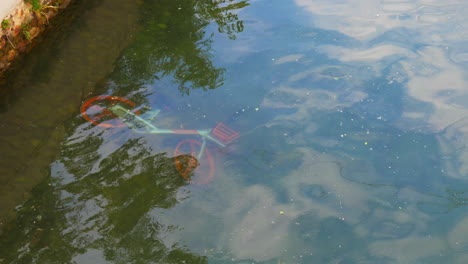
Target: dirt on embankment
(22, 21)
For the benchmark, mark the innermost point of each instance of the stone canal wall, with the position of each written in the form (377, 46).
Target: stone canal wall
(22, 21)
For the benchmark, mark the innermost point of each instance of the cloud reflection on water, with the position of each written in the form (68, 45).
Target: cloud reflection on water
(430, 23)
(386, 221)
(431, 49)
(365, 223)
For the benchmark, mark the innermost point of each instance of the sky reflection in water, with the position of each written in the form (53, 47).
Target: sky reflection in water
(377, 92)
(353, 121)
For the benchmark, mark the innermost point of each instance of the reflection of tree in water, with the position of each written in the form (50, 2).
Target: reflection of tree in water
(173, 43)
(105, 207)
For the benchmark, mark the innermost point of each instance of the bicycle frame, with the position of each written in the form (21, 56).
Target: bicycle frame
(136, 123)
(128, 114)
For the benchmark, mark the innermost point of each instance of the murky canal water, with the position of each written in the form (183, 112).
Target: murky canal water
(242, 132)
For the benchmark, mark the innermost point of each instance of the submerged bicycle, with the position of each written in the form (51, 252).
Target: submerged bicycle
(189, 154)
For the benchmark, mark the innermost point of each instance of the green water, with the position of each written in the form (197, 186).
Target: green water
(351, 146)
(48, 88)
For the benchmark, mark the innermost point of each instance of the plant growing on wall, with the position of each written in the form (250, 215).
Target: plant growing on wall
(38, 7)
(6, 23)
(36, 4)
(25, 30)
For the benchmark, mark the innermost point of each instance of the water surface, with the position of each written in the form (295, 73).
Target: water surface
(352, 148)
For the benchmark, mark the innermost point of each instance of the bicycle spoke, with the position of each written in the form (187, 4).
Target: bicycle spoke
(106, 113)
(93, 104)
(192, 149)
(97, 107)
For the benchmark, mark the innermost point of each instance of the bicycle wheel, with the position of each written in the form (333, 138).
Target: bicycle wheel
(95, 110)
(193, 170)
